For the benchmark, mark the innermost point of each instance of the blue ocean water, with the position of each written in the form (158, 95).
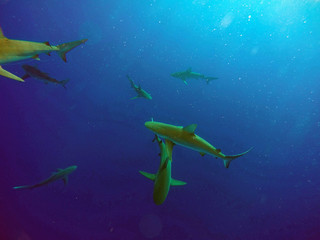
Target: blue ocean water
(265, 54)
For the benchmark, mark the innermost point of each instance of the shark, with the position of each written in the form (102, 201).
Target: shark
(186, 137)
(188, 74)
(34, 72)
(60, 174)
(162, 179)
(141, 93)
(17, 50)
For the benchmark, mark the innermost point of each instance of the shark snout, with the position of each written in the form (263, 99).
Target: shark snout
(73, 168)
(149, 125)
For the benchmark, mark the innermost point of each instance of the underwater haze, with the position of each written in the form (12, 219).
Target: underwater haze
(265, 55)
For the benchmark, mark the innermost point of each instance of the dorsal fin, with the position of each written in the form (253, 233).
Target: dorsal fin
(1, 33)
(190, 128)
(189, 69)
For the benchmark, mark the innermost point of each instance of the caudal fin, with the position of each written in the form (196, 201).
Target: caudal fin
(208, 79)
(227, 160)
(64, 82)
(131, 82)
(66, 47)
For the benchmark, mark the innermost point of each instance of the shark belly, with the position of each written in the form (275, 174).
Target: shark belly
(196, 145)
(16, 50)
(162, 185)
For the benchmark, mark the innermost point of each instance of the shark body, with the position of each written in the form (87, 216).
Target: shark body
(186, 137)
(60, 174)
(188, 74)
(162, 179)
(17, 50)
(140, 92)
(36, 73)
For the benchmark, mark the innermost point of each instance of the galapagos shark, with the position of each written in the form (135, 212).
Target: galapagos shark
(141, 93)
(186, 137)
(36, 73)
(188, 74)
(162, 179)
(16, 50)
(60, 174)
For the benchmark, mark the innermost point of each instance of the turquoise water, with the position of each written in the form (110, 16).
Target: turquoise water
(265, 54)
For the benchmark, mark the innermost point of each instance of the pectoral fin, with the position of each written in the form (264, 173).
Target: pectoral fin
(175, 182)
(148, 175)
(65, 180)
(9, 75)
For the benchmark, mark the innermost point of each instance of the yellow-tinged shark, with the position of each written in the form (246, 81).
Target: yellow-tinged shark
(186, 137)
(188, 74)
(16, 50)
(141, 93)
(162, 180)
(60, 174)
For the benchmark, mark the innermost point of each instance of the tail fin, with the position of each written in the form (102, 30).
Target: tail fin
(131, 82)
(24, 187)
(208, 79)
(227, 160)
(64, 82)
(66, 47)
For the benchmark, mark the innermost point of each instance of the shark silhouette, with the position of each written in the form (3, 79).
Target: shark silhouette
(17, 50)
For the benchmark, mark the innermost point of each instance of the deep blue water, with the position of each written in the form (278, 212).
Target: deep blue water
(266, 55)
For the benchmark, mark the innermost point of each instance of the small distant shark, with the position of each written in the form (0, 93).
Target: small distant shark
(60, 174)
(188, 74)
(36, 73)
(186, 137)
(16, 50)
(141, 93)
(162, 179)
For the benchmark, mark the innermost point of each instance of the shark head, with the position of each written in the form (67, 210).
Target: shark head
(148, 96)
(157, 127)
(176, 75)
(71, 169)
